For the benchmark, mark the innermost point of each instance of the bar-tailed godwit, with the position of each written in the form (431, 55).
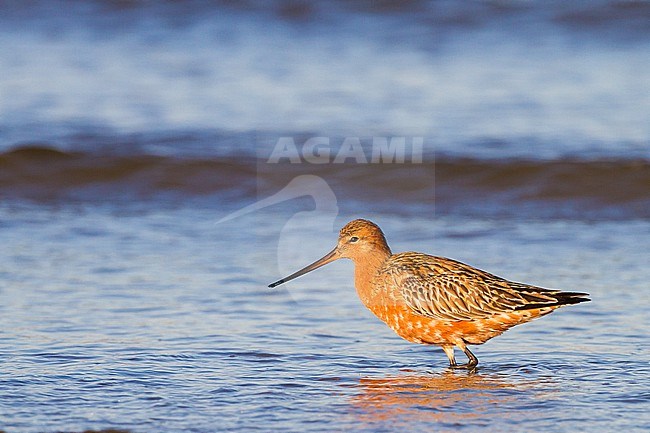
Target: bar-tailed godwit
(435, 300)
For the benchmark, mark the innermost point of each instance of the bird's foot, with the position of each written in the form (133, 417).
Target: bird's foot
(468, 366)
(472, 361)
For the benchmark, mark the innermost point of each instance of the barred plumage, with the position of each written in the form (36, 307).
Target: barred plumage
(446, 289)
(435, 300)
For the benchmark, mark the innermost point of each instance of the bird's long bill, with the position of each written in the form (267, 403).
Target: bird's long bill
(329, 257)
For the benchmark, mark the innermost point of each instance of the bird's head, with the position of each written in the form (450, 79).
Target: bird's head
(357, 239)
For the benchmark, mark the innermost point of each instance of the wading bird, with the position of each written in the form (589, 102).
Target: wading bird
(435, 300)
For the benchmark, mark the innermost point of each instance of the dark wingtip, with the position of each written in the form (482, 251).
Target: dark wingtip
(568, 298)
(561, 298)
(277, 283)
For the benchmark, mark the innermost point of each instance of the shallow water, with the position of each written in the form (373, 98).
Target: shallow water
(142, 216)
(162, 321)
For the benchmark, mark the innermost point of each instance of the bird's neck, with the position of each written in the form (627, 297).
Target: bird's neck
(367, 266)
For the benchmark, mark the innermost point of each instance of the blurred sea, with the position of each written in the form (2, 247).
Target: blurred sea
(133, 286)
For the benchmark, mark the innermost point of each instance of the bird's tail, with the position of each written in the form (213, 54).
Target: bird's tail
(542, 298)
(569, 298)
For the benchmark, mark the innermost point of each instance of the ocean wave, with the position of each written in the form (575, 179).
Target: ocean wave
(440, 14)
(46, 174)
(565, 188)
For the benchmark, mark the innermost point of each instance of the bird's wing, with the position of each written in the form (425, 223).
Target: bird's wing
(448, 290)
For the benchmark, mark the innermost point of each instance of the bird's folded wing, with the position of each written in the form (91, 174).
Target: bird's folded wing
(465, 293)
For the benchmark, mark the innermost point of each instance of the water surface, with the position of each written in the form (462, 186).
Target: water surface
(131, 132)
(162, 321)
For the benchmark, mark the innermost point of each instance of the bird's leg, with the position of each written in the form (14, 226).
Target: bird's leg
(472, 361)
(449, 350)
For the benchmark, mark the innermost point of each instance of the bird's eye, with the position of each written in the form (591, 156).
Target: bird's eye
(354, 239)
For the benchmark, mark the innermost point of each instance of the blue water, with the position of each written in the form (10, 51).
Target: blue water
(142, 216)
(539, 71)
(163, 322)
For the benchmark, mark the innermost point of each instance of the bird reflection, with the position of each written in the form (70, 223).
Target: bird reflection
(450, 397)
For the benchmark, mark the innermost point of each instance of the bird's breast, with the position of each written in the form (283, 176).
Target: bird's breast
(389, 306)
